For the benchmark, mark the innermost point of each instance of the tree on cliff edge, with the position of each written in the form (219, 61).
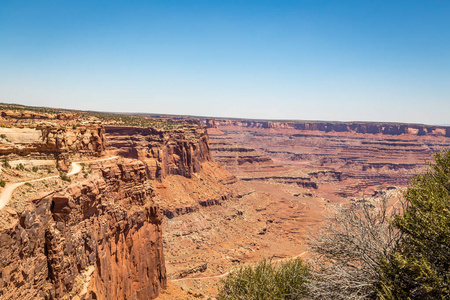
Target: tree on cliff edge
(419, 267)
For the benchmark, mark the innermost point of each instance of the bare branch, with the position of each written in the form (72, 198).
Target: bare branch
(347, 252)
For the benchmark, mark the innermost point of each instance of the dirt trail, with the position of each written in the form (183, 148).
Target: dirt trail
(75, 169)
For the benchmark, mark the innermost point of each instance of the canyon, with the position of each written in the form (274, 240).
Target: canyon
(166, 210)
(336, 160)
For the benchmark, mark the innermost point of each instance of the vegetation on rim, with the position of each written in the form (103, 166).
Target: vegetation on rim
(104, 117)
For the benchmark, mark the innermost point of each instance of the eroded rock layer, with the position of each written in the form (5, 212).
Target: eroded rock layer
(96, 239)
(338, 160)
(52, 141)
(351, 127)
(164, 152)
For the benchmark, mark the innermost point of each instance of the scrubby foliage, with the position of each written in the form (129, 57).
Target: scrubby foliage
(5, 162)
(346, 254)
(266, 280)
(64, 177)
(419, 268)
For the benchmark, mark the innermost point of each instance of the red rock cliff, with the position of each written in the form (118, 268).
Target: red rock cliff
(356, 127)
(164, 152)
(98, 239)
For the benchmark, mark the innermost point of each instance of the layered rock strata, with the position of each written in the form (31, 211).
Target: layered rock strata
(352, 127)
(368, 156)
(96, 239)
(164, 152)
(240, 160)
(52, 141)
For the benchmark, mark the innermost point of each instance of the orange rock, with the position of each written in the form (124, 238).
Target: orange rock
(98, 239)
(172, 152)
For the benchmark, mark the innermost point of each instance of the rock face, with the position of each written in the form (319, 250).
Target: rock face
(37, 116)
(180, 163)
(98, 239)
(164, 152)
(351, 127)
(53, 141)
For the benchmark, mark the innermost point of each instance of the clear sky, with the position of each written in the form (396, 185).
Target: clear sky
(363, 60)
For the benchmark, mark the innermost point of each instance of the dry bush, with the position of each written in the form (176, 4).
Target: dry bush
(346, 254)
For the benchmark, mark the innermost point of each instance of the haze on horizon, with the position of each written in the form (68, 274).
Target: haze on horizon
(304, 60)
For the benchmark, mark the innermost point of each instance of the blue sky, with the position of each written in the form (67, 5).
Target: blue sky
(309, 60)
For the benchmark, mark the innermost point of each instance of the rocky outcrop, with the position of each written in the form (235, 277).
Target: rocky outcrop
(352, 127)
(53, 141)
(22, 115)
(98, 239)
(301, 181)
(164, 152)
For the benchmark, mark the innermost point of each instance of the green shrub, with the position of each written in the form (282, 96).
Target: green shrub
(64, 177)
(35, 169)
(20, 167)
(27, 184)
(266, 280)
(2, 183)
(419, 267)
(6, 162)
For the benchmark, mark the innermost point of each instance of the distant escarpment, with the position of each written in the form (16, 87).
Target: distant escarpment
(164, 152)
(29, 115)
(354, 127)
(368, 155)
(96, 239)
(49, 141)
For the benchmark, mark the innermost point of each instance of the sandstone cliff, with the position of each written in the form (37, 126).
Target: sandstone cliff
(164, 152)
(179, 161)
(96, 239)
(352, 127)
(53, 141)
